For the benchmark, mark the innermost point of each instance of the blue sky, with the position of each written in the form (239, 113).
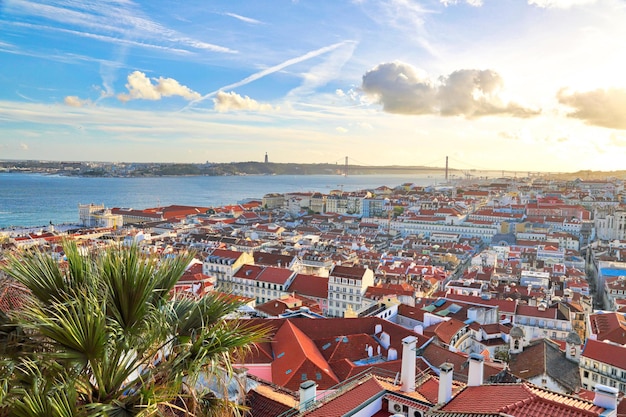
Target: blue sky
(528, 85)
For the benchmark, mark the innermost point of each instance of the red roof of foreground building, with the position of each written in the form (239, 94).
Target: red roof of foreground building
(520, 400)
(13, 295)
(350, 400)
(298, 359)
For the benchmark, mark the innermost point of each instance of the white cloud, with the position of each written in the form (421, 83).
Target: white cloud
(559, 4)
(605, 108)
(244, 18)
(475, 3)
(75, 101)
(403, 89)
(24, 146)
(232, 101)
(140, 87)
(341, 129)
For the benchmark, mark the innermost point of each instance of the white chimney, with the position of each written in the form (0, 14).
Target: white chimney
(445, 383)
(392, 354)
(606, 397)
(308, 392)
(407, 373)
(475, 375)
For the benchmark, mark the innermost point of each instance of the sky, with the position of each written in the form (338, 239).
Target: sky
(516, 85)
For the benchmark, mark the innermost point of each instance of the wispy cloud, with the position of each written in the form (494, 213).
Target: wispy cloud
(244, 18)
(475, 3)
(271, 70)
(108, 20)
(105, 38)
(560, 4)
(328, 70)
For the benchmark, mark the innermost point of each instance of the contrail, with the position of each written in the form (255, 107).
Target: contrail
(271, 70)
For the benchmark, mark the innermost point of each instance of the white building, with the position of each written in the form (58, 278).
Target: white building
(346, 287)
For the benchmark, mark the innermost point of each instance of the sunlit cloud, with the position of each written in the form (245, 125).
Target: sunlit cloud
(403, 89)
(232, 101)
(341, 129)
(140, 87)
(75, 101)
(605, 108)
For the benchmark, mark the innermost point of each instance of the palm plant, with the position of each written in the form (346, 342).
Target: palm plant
(101, 335)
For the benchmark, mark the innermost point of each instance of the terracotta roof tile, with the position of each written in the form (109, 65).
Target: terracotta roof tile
(310, 285)
(349, 400)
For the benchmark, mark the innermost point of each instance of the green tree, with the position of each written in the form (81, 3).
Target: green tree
(101, 335)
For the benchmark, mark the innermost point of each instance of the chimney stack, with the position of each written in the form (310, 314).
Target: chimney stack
(445, 383)
(606, 397)
(407, 373)
(476, 365)
(308, 392)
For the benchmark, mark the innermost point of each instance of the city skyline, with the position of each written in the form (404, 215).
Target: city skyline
(495, 84)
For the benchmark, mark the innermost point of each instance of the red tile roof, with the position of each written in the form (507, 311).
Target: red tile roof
(357, 396)
(298, 359)
(520, 400)
(310, 285)
(605, 352)
(609, 326)
(12, 295)
(353, 272)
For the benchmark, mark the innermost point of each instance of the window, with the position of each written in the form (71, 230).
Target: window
(318, 376)
(594, 377)
(586, 374)
(603, 380)
(303, 377)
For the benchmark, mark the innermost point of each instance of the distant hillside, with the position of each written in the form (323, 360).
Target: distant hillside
(587, 175)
